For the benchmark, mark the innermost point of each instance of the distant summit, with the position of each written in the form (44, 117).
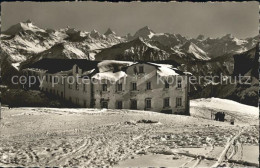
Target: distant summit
(145, 33)
(28, 21)
(23, 26)
(109, 31)
(201, 37)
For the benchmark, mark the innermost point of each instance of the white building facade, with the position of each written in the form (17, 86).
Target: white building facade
(120, 85)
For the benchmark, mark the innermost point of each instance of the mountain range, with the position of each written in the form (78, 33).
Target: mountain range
(25, 43)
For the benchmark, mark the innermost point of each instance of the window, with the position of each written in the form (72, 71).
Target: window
(84, 103)
(141, 69)
(134, 86)
(57, 93)
(166, 102)
(135, 70)
(77, 86)
(104, 87)
(119, 87)
(179, 83)
(50, 78)
(178, 101)
(77, 69)
(133, 104)
(148, 85)
(166, 84)
(104, 104)
(77, 100)
(148, 103)
(84, 87)
(46, 77)
(61, 94)
(119, 105)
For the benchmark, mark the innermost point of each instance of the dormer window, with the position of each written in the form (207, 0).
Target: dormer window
(179, 83)
(119, 87)
(77, 69)
(104, 87)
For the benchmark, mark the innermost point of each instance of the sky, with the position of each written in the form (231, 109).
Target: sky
(186, 18)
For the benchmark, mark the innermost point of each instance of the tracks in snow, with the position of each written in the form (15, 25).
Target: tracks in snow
(223, 154)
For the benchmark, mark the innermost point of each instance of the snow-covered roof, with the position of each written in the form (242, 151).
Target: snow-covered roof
(111, 70)
(108, 65)
(111, 76)
(188, 73)
(37, 70)
(166, 69)
(107, 69)
(64, 72)
(88, 72)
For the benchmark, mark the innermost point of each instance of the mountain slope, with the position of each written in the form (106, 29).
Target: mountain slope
(137, 49)
(243, 89)
(247, 63)
(225, 45)
(191, 48)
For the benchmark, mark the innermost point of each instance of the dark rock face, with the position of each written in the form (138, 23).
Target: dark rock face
(247, 63)
(244, 91)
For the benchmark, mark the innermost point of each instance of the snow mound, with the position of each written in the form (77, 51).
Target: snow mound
(226, 105)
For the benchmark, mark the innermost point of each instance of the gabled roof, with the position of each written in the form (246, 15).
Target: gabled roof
(58, 65)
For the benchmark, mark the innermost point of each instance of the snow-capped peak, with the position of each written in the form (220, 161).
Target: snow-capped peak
(228, 36)
(95, 34)
(28, 21)
(23, 26)
(109, 31)
(144, 32)
(239, 41)
(201, 37)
